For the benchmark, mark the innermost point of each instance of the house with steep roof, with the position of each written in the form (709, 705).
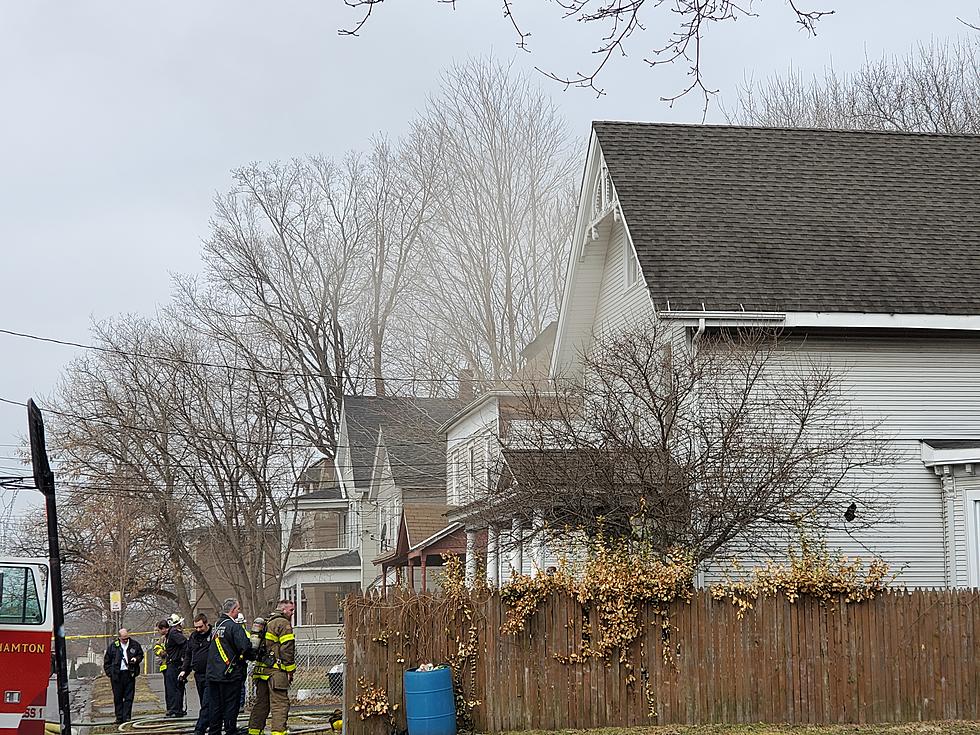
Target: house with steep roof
(321, 568)
(863, 248)
(390, 456)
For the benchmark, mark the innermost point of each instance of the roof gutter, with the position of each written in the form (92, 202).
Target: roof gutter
(702, 319)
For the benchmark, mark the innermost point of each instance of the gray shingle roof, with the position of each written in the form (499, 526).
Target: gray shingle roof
(417, 453)
(800, 220)
(347, 559)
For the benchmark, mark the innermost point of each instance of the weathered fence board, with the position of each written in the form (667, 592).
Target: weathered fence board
(903, 656)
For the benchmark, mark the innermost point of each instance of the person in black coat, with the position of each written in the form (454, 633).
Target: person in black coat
(229, 649)
(121, 663)
(196, 661)
(173, 642)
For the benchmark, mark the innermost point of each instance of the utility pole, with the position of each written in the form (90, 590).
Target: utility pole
(44, 481)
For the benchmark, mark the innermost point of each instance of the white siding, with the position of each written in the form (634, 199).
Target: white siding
(918, 387)
(619, 305)
(921, 387)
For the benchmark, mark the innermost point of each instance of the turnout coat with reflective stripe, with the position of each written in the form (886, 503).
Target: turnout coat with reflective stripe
(280, 647)
(229, 647)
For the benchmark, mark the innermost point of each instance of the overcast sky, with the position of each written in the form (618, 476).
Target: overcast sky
(121, 120)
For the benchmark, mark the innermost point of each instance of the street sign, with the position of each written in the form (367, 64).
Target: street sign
(115, 601)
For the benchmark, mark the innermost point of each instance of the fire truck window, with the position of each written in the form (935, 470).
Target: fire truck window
(19, 602)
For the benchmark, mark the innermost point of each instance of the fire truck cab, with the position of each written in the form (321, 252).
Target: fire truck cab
(25, 644)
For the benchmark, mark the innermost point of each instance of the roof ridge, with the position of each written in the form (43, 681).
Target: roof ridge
(786, 128)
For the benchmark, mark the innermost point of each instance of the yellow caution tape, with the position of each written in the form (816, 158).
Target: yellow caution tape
(105, 635)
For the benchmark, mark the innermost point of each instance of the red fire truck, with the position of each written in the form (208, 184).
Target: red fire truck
(25, 644)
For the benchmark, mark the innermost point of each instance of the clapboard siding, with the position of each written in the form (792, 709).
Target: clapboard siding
(619, 305)
(910, 538)
(919, 386)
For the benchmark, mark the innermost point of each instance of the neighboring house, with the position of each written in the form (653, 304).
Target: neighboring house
(322, 569)
(390, 455)
(475, 437)
(862, 247)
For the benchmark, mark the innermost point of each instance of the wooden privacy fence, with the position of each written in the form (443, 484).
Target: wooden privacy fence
(901, 657)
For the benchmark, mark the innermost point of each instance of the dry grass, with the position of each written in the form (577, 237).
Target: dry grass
(917, 728)
(102, 693)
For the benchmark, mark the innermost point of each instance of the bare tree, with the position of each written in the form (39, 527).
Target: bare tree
(504, 216)
(284, 267)
(173, 419)
(935, 89)
(738, 439)
(399, 196)
(683, 25)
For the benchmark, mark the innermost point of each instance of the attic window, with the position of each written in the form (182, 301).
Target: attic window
(632, 265)
(602, 197)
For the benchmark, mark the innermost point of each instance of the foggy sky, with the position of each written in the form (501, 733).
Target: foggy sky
(121, 120)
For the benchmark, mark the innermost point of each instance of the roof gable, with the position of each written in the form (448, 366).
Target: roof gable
(415, 451)
(755, 219)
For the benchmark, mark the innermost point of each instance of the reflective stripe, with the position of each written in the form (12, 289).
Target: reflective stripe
(221, 652)
(261, 676)
(278, 732)
(286, 638)
(254, 731)
(285, 667)
(272, 637)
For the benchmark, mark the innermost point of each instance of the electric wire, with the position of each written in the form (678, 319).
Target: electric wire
(225, 366)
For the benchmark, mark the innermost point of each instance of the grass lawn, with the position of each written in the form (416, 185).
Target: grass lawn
(917, 728)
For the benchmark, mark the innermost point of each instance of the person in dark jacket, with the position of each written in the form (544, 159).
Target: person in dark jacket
(121, 664)
(196, 661)
(173, 642)
(230, 647)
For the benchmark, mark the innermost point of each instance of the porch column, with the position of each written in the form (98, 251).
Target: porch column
(411, 575)
(517, 552)
(299, 602)
(493, 557)
(423, 573)
(470, 557)
(540, 545)
(384, 580)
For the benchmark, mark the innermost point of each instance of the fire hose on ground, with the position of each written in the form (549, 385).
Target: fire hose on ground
(319, 721)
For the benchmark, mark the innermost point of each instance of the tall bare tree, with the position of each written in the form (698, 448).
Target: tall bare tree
(736, 440)
(284, 266)
(934, 88)
(506, 166)
(160, 414)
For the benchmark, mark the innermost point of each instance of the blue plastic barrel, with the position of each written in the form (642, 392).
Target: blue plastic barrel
(430, 707)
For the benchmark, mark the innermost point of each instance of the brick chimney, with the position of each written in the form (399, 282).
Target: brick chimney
(466, 385)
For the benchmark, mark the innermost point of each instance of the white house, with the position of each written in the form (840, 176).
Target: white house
(864, 245)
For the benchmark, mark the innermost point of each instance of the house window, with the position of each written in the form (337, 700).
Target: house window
(453, 479)
(487, 462)
(471, 471)
(632, 264)
(973, 536)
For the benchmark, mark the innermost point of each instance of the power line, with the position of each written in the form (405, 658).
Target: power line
(242, 368)
(112, 423)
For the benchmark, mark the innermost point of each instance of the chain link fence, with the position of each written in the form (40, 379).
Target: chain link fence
(319, 678)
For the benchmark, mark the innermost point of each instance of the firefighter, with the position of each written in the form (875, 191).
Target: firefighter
(273, 672)
(169, 649)
(229, 649)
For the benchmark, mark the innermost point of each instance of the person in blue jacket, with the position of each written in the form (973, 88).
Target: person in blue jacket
(227, 655)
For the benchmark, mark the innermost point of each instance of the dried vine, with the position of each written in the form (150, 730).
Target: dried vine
(811, 571)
